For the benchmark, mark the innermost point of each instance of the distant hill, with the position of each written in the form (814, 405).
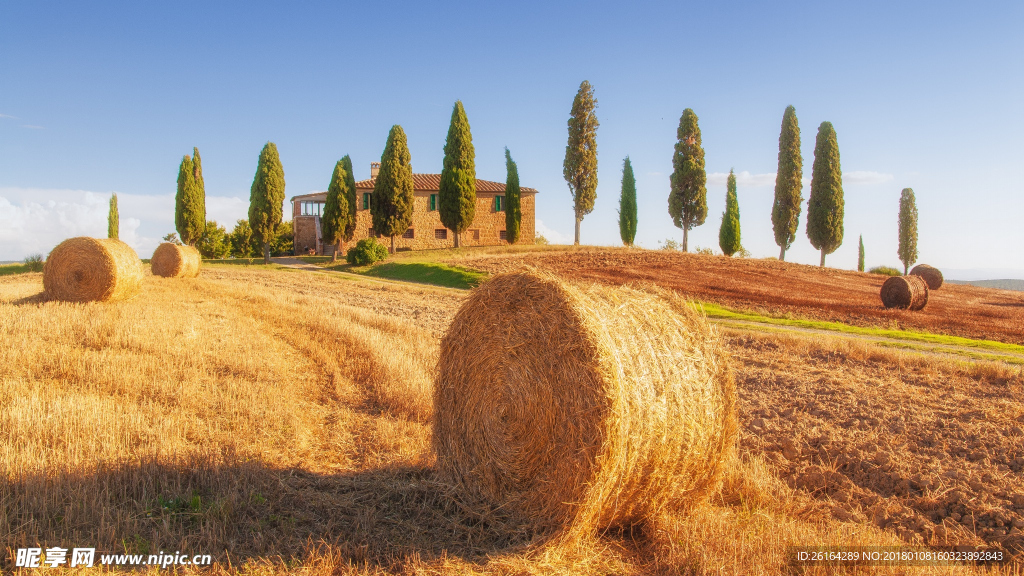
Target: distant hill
(1007, 284)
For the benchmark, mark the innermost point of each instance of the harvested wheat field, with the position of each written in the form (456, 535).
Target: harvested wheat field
(777, 288)
(281, 421)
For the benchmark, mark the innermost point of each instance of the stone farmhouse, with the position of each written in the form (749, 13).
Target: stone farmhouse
(426, 230)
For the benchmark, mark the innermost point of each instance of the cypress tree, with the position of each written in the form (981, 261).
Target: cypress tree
(688, 200)
(627, 204)
(513, 211)
(788, 184)
(908, 229)
(392, 200)
(729, 232)
(350, 185)
(580, 165)
(113, 222)
(456, 195)
(189, 205)
(860, 255)
(200, 198)
(336, 212)
(825, 206)
(266, 198)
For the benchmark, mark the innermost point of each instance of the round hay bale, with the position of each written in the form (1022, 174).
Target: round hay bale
(174, 261)
(906, 292)
(583, 408)
(92, 270)
(933, 276)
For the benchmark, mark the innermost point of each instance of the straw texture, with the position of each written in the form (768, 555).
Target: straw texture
(92, 270)
(584, 408)
(906, 292)
(933, 276)
(174, 261)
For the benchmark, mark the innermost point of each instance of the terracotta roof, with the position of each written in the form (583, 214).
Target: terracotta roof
(310, 195)
(433, 182)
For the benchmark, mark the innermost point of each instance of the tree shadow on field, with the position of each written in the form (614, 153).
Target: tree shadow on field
(243, 510)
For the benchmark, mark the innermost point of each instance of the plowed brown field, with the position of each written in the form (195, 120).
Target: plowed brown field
(777, 288)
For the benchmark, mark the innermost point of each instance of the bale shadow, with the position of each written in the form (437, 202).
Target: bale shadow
(39, 298)
(244, 510)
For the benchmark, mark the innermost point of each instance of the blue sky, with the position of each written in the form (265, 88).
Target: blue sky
(108, 97)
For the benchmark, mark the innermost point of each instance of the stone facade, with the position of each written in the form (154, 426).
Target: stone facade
(426, 230)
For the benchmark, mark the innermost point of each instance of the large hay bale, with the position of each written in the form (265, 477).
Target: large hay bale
(933, 276)
(583, 408)
(907, 292)
(90, 269)
(176, 261)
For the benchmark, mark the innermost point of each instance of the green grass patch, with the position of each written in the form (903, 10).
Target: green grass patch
(8, 269)
(716, 311)
(423, 273)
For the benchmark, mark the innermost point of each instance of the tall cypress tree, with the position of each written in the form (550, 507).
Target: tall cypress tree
(392, 201)
(580, 165)
(825, 206)
(350, 185)
(513, 210)
(627, 204)
(336, 213)
(113, 221)
(266, 198)
(860, 255)
(189, 205)
(688, 200)
(729, 232)
(788, 183)
(456, 194)
(200, 200)
(908, 229)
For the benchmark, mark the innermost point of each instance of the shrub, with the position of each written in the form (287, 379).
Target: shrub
(366, 251)
(34, 263)
(671, 244)
(885, 271)
(705, 251)
(540, 240)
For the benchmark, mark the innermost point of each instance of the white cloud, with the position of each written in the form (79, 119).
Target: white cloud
(33, 127)
(865, 177)
(9, 116)
(34, 220)
(744, 179)
(553, 236)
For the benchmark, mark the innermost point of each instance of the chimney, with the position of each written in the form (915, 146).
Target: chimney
(374, 168)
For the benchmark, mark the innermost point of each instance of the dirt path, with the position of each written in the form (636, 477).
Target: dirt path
(908, 345)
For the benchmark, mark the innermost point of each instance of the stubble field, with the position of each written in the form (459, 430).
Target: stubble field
(280, 421)
(779, 288)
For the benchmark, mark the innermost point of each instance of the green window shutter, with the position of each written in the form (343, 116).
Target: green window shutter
(366, 201)
(433, 202)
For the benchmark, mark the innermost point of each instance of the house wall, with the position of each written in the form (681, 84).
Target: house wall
(487, 224)
(304, 227)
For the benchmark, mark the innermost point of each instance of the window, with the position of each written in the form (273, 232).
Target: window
(441, 234)
(372, 234)
(433, 202)
(503, 235)
(408, 233)
(366, 200)
(475, 234)
(311, 208)
(499, 203)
